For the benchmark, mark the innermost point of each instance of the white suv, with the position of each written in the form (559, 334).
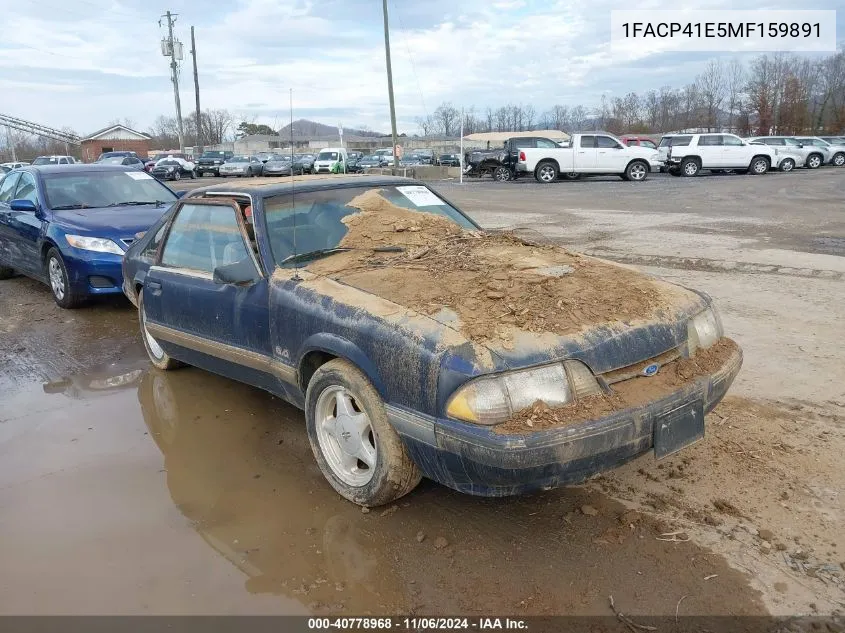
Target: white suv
(688, 154)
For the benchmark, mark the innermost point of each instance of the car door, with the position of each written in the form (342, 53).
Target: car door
(24, 229)
(221, 327)
(735, 153)
(586, 154)
(610, 155)
(7, 190)
(710, 150)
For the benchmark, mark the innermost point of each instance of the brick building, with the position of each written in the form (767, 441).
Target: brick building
(113, 139)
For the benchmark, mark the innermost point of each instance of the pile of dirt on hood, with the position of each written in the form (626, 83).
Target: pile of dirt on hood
(633, 392)
(487, 285)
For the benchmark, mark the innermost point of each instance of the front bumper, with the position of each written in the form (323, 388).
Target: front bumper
(206, 169)
(94, 273)
(475, 460)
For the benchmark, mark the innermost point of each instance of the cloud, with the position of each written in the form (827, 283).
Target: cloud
(105, 64)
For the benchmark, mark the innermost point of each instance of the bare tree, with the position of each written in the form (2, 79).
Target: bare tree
(426, 124)
(578, 117)
(735, 83)
(216, 125)
(529, 115)
(711, 89)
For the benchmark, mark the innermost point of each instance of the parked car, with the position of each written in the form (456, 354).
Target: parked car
(688, 154)
(306, 161)
(588, 154)
(836, 152)
(264, 156)
(68, 226)
(127, 161)
(54, 160)
(787, 157)
(426, 156)
(373, 161)
(330, 160)
(634, 140)
(116, 153)
(173, 169)
(278, 165)
(501, 163)
(354, 166)
(449, 160)
(4, 170)
(15, 165)
(355, 155)
(814, 157)
(240, 166)
(209, 162)
(220, 283)
(411, 160)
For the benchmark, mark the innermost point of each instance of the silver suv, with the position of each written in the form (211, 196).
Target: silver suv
(814, 157)
(836, 152)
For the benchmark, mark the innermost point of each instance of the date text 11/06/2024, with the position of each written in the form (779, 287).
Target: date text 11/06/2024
(721, 30)
(417, 624)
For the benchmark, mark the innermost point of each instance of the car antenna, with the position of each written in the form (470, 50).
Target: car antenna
(296, 276)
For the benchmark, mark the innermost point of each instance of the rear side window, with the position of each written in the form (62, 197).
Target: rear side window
(588, 141)
(606, 142)
(729, 139)
(714, 139)
(543, 142)
(675, 141)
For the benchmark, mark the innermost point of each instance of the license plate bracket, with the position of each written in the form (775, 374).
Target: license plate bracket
(678, 428)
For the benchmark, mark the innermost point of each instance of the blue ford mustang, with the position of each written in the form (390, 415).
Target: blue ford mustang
(347, 297)
(69, 225)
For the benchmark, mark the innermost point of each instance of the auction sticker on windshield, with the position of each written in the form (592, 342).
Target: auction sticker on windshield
(420, 196)
(138, 175)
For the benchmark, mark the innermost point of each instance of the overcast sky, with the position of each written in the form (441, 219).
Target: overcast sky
(84, 63)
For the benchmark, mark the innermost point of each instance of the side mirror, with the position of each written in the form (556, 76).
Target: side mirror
(239, 273)
(800, 145)
(180, 194)
(27, 206)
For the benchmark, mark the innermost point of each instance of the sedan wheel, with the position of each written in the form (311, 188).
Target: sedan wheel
(63, 294)
(177, 175)
(356, 448)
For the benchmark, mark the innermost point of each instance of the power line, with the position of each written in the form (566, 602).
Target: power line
(411, 59)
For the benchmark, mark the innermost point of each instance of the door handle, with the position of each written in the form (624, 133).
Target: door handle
(154, 287)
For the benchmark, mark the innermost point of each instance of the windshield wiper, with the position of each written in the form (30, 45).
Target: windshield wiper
(130, 203)
(338, 249)
(67, 207)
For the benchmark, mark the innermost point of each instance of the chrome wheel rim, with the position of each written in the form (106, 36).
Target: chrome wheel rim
(57, 278)
(637, 172)
(152, 344)
(839, 160)
(502, 175)
(690, 169)
(815, 162)
(760, 166)
(787, 165)
(547, 174)
(346, 436)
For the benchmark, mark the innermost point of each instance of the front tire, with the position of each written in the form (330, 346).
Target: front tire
(177, 175)
(158, 357)
(758, 166)
(637, 171)
(690, 167)
(356, 448)
(502, 174)
(193, 175)
(546, 172)
(63, 294)
(814, 161)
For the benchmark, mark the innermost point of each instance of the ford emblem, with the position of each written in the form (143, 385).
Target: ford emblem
(651, 369)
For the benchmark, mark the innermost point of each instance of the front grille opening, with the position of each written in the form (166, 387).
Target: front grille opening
(98, 281)
(632, 371)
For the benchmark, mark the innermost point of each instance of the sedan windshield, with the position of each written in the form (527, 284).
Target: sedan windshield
(75, 190)
(318, 215)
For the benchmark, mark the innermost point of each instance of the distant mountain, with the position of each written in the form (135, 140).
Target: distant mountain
(304, 127)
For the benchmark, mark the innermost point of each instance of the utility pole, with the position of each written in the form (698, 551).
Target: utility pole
(390, 86)
(173, 49)
(198, 151)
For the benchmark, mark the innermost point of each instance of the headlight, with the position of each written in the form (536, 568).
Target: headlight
(171, 169)
(704, 330)
(96, 244)
(494, 399)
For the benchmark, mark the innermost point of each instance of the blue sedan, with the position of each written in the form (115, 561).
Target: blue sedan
(418, 345)
(69, 225)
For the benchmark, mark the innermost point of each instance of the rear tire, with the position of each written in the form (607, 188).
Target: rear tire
(6, 272)
(362, 426)
(572, 176)
(690, 167)
(158, 357)
(787, 165)
(502, 174)
(546, 172)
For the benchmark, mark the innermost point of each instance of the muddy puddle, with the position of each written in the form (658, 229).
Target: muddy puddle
(128, 490)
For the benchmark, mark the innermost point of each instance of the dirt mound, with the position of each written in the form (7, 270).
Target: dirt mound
(628, 393)
(489, 285)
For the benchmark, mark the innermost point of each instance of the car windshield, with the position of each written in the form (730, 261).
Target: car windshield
(112, 160)
(318, 215)
(212, 155)
(238, 159)
(327, 156)
(371, 157)
(94, 189)
(46, 160)
(168, 162)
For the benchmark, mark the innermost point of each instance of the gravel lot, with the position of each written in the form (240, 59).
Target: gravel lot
(125, 490)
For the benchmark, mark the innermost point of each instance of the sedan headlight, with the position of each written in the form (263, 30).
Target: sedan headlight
(704, 330)
(96, 244)
(494, 399)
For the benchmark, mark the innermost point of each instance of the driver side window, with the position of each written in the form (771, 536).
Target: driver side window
(26, 189)
(203, 237)
(7, 187)
(606, 142)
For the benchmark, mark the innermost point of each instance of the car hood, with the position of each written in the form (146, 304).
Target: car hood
(234, 165)
(493, 301)
(110, 221)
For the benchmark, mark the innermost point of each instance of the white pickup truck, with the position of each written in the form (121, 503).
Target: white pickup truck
(588, 153)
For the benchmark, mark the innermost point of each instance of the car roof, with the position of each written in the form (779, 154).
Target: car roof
(276, 186)
(80, 167)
